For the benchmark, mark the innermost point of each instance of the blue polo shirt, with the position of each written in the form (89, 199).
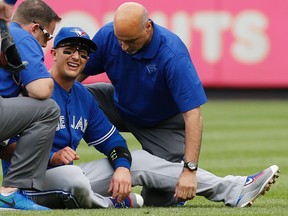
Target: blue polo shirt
(156, 83)
(30, 51)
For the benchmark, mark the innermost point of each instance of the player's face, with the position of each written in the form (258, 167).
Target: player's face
(134, 40)
(70, 60)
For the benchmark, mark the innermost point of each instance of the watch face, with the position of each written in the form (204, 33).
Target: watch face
(192, 166)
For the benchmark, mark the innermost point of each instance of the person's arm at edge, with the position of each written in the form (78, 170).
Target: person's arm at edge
(6, 9)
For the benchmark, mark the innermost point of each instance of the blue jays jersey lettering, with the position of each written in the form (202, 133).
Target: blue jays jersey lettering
(81, 118)
(35, 69)
(163, 66)
(76, 123)
(79, 123)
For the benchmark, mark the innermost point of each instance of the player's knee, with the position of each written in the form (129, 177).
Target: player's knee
(78, 185)
(77, 181)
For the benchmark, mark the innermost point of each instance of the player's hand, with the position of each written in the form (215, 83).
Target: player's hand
(186, 186)
(63, 156)
(120, 184)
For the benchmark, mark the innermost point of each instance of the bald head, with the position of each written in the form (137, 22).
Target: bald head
(132, 27)
(130, 16)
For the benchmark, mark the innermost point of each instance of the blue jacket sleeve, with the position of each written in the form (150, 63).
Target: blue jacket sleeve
(113, 142)
(103, 135)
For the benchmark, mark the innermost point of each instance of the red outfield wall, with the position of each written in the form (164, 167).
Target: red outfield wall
(232, 43)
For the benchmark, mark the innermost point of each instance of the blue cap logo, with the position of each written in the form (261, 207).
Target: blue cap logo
(74, 35)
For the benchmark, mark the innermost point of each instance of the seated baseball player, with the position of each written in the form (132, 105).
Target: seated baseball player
(90, 184)
(81, 118)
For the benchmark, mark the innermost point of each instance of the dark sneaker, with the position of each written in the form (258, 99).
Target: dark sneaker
(19, 201)
(256, 185)
(132, 201)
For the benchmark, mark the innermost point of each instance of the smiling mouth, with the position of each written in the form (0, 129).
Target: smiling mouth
(72, 64)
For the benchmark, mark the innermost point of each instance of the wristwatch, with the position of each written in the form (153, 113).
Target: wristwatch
(191, 165)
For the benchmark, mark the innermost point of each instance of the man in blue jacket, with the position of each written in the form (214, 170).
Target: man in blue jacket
(156, 94)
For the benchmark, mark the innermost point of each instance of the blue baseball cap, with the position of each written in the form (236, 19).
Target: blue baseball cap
(74, 36)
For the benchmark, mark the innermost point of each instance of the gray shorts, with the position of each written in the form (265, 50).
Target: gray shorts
(35, 121)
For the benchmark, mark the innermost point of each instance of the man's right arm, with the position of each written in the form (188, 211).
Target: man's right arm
(40, 88)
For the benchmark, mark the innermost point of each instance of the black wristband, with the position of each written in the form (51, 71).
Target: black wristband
(119, 152)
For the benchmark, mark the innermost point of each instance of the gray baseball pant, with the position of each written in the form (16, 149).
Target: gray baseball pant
(86, 185)
(35, 121)
(167, 141)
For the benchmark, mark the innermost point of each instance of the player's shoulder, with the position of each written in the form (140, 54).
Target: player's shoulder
(82, 91)
(80, 88)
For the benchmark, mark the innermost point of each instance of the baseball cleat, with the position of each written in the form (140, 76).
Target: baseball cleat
(132, 201)
(257, 185)
(18, 201)
(181, 203)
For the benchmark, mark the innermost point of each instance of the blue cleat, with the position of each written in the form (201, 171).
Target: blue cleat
(19, 201)
(132, 201)
(181, 203)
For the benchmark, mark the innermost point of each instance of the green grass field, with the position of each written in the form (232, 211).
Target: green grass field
(240, 137)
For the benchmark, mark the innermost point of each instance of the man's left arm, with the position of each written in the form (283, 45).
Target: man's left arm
(120, 158)
(187, 183)
(101, 134)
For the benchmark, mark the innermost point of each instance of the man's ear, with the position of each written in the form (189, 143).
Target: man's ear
(34, 27)
(53, 53)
